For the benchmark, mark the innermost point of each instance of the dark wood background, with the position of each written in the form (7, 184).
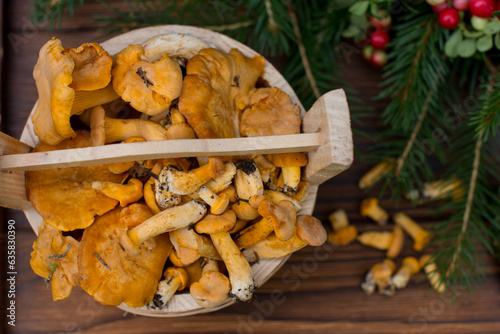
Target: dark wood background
(318, 289)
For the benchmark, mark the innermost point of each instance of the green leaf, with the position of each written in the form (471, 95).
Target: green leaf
(492, 27)
(451, 46)
(496, 13)
(351, 32)
(359, 8)
(497, 41)
(360, 21)
(374, 9)
(467, 48)
(484, 43)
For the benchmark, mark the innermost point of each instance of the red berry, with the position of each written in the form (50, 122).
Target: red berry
(462, 5)
(379, 39)
(379, 58)
(439, 8)
(482, 8)
(382, 23)
(449, 18)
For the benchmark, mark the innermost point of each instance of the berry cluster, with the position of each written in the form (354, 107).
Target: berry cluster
(378, 38)
(449, 17)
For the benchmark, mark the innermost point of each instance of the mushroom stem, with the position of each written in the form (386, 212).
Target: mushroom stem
(375, 174)
(218, 204)
(290, 164)
(175, 279)
(240, 272)
(377, 239)
(276, 197)
(441, 189)
(379, 277)
(248, 181)
(420, 236)
(272, 247)
(124, 193)
(88, 99)
(179, 128)
(167, 220)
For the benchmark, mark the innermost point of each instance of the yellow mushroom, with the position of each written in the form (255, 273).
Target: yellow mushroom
(213, 287)
(379, 276)
(370, 208)
(376, 173)
(441, 189)
(124, 193)
(218, 203)
(175, 280)
(290, 164)
(409, 267)
(343, 233)
(420, 236)
(216, 223)
(384, 240)
(186, 238)
(179, 129)
(244, 211)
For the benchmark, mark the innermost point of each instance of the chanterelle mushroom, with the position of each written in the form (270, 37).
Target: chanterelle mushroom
(213, 287)
(110, 272)
(54, 258)
(64, 197)
(150, 87)
(271, 112)
(216, 88)
(58, 75)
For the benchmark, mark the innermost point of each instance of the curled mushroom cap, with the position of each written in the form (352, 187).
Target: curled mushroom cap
(216, 87)
(180, 47)
(54, 258)
(52, 74)
(150, 87)
(271, 112)
(92, 67)
(64, 197)
(211, 290)
(112, 274)
(216, 223)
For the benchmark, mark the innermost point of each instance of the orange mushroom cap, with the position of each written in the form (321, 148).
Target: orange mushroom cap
(216, 87)
(54, 258)
(110, 273)
(64, 197)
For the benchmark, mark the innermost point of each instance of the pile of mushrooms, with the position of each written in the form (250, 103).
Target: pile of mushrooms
(142, 231)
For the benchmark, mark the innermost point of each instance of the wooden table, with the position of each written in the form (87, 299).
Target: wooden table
(318, 289)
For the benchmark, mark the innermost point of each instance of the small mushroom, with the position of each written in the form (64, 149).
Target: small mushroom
(290, 164)
(240, 272)
(310, 231)
(176, 279)
(150, 87)
(124, 193)
(213, 287)
(185, 183)
(409, 267)
(376, 173)
(432, 273)
(276, 197)
(264, 165)
(442, 189)
(379, 277)
(218, 203)
(166, 221)
(64, 197)
(186, 238)
(224, 180)
(110, 272)
(247, 180)
(370, 208)
(343, 233)
(302, 191)
(282, 216)
(185, 257)
(179, 129)
(254, 233)
(106, 130)
(270, 112)
(216, 223)
(54, 258)
(420, 236)
(384, 240)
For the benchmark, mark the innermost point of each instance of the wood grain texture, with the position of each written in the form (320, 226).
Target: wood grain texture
(304, 296)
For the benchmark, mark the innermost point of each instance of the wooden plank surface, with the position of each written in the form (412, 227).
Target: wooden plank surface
(317, 291)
